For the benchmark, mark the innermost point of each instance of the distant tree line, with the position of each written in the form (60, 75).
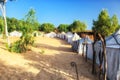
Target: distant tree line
(76, 26)
(19, 25)
(32, 24)
(104, 24)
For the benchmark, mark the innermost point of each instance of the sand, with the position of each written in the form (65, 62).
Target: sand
(48, 59)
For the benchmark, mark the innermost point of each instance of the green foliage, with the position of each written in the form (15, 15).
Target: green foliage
(23, 44)
(30, 16)
(114, 23)
(47, 27)
(63, 28)
(26, 40)
(1, 25)
(12, 24)
(105, 25)
(17, 47)
(118, 27)
(29, 21)
(77, 26)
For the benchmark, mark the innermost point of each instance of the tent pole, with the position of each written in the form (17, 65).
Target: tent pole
(104, 55)
(94, 56)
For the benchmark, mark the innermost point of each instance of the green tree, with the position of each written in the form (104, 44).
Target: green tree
(30, 16)
(114, 23)
(77, 26)
(12, 24)
(63, 27)
(31, 20)
(27, 26)
(119, 27)
(104, 24)
(47, 27)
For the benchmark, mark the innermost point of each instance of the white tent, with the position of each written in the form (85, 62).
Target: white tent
(113, 55)
(35, 33)
(75, 41)
(90, 51)
(81, 46)
(50, 35)
(113, 41)
(58, 35)
(69, 36)
(62, 35)
(75, 37)
(16, 34)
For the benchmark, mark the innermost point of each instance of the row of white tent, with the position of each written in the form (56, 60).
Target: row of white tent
(112, 50)
(76, 41)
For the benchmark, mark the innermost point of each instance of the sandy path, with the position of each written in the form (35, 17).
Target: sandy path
(49, 59)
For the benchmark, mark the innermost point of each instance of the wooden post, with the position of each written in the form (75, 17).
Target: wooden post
(105, 59)
(94, 56)
(73, 64)
(104, 55)
(86, 50)
(83, 50)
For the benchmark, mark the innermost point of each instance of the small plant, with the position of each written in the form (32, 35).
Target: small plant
(22, 44)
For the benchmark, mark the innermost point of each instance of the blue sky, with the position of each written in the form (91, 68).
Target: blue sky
(63, 11)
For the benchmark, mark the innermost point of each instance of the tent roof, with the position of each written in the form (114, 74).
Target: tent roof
(69, 33)
(75, 37)
(87, 39)
(113, 41)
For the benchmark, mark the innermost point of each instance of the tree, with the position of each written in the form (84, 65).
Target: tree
(114, 23)
(63, 27)
(118, 27)
(77, 26)
(27, 26)
(47, 27)
(31, 20)
(30, 16)
(3, 10)
(12, 24)
(105, 25)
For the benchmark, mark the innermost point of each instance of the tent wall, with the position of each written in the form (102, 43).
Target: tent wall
(113, 61)
(90, 51)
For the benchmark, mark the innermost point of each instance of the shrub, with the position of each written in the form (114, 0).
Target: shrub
(22, 44)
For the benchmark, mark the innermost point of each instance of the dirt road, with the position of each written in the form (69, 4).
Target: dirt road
(49, 59)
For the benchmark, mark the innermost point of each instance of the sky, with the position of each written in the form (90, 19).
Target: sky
(63, 11)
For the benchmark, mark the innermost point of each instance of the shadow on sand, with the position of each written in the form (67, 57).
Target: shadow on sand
(51, 67)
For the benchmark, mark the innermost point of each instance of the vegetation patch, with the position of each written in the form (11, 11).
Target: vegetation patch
(22, 45)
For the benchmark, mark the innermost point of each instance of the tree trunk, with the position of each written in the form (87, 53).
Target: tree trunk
(2, 6)
(104, 55)
(105, 59)
(94, 57)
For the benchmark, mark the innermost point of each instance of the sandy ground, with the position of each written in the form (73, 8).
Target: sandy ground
(48, 59)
